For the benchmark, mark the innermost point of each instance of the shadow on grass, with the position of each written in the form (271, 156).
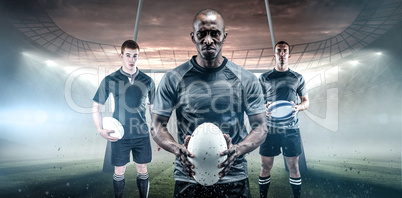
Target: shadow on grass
(315, 184)
(319, 183)
(86, 180)
(67, 179)
(88, 185)
(323, 184)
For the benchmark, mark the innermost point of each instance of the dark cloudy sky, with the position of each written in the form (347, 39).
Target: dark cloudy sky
(167, 24)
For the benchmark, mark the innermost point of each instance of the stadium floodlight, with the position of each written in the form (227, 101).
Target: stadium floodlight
(379, 53)
(50, 63)
(40, 117)
(354, 62)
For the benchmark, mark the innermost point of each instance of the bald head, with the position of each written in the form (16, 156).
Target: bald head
(208, 36)
(208, 15)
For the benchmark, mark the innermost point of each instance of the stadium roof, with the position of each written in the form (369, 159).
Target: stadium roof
(375, 19)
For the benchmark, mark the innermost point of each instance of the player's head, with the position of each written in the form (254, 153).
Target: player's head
(282, 43)
(129, 44)
(129, 55)
(208, 12)
(282, 54)
(208, 33)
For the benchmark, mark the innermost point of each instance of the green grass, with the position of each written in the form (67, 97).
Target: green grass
(335, 178)
(329, 177)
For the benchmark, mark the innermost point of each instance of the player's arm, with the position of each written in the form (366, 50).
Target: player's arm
(150, 110)
(304, 104)
(253, 140)
(164, 139)
(268, 110)
(97, 117)
(150, 107)
(265, 87)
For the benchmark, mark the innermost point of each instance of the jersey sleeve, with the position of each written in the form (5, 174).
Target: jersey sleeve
(165, 97)
(302, 90)
(254, 97)
(151, 93)
(102, 93)
(264, 88)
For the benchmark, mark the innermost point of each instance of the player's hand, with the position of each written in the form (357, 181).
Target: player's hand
(183, 155)
(295, 109)
(105, 133)
(159, 147)
(232, 155)
(268, 110)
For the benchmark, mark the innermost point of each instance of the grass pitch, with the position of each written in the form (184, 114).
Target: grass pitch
(330, 177)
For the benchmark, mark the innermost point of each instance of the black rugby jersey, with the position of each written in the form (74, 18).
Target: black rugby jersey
(287, 85)
(129, 100)
(220, 95)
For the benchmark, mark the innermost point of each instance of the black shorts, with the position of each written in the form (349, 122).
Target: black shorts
(234, 189)
(288, 139)
(140, 147)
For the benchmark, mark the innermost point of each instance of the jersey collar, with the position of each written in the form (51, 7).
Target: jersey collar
(130, 77)
(209, 70)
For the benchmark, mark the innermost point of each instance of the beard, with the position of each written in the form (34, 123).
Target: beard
(209, 55)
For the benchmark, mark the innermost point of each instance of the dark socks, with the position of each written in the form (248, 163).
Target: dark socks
(143, 184)
(295, 183)
(118, 184)
(264, 185)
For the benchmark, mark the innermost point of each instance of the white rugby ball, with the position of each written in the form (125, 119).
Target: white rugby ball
(281, 110)
(205, 144)
(111, 123)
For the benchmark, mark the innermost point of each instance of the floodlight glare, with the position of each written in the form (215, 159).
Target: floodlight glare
(379, 53)
(50, 63)
(354, 62)
(40, 116)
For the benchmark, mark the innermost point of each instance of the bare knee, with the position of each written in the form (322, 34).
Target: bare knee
(293, 165)
(265, 169)
(141, 168)
(294, 168)
(119, 170)
(266, 166)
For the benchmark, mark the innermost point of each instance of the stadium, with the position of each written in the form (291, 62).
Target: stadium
(49, 146)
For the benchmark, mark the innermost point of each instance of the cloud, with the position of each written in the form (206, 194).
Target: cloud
(167, 24)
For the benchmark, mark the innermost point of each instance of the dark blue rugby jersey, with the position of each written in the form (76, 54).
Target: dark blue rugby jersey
(129, 100)
(220, 95)
(287, 85)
